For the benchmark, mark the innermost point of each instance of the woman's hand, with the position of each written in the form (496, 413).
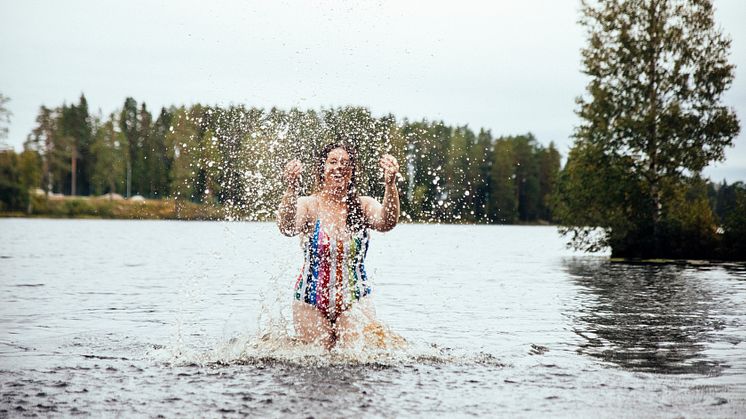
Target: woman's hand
(390, 168)
(384, 217)
(290, 218)
(292, 172)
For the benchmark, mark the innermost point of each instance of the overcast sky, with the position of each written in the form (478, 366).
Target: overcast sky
(509, 66)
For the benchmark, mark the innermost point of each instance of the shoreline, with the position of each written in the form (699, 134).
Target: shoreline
(105, 208)
(19, 214)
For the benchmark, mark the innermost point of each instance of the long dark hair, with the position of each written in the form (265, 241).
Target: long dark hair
(355, 218)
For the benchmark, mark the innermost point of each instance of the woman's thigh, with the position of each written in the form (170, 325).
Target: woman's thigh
(311, 325)
(350, 323)
(359, 326)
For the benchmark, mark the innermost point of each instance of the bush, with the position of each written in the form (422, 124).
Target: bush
(689, 232)
(79, 206)
(13, 197)
(13, 194)
(734, 228)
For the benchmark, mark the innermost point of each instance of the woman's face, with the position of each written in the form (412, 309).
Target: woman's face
(337, 169)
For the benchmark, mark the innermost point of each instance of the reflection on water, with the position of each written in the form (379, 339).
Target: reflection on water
(655, 318)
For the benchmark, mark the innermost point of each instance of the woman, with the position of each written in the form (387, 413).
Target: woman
(331, 304)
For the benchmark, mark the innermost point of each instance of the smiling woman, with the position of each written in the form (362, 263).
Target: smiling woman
(331, 304)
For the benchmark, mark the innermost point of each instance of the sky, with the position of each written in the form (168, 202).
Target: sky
(508, 66)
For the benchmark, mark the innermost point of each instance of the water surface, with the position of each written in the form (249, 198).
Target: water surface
(153, 317)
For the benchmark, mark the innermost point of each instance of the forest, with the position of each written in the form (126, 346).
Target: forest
(231, 157)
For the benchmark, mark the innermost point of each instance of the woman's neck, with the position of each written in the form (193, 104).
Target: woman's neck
(333, 206)
(334, 196)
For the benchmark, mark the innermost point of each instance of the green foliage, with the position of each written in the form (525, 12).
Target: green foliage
(504, 205)
(76, 128)
(108, 169)
(478, 174)
(689, 227)
(549, 169)
(29, 169)
(158, 160)
(527, 179)
(13, 195)
(18, 173)
(232, 157)
(78, 206)
(129, 125)
(651, 117)
(732, 207)
(46, 140)
(181, 144)
(100, 207)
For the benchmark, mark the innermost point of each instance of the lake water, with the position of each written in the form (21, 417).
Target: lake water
(147, 318)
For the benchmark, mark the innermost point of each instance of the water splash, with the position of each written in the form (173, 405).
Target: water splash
(276, 346)
(232, 158)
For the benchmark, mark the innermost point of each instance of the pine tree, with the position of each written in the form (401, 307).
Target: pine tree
(549, 167)
(503, 194)
(129, 125)
(47, 140)
(109, 170)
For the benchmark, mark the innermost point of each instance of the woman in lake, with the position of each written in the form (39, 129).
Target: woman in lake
(331, 297)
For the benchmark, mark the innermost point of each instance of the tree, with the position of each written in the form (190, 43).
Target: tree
(29, 169)
(503, 207)
(734, 222)
(76, 131)
(13, 196)
(479, 173)
(428, 145)
(457, 161)
(129, 125)
(182, 145)
(157, 161)
(652, 114)
(47, 140)
(549, 168)
(108, 173)
(527, 176)
(18, 174)
(140, 166)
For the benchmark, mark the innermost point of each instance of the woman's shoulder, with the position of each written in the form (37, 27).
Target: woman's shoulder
(367, 201)
(308, 203)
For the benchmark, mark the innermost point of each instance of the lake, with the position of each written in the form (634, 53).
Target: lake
(147, 318)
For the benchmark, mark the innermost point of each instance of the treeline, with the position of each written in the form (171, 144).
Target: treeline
(229, 159)
(232, 156)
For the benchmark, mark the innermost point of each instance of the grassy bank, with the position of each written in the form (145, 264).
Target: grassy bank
(102, 207)
(63, 206)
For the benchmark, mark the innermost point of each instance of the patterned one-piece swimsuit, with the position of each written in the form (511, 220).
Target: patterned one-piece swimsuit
(333, 276)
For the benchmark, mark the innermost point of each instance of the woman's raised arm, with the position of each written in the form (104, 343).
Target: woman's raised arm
(291, 215)
(384, 217)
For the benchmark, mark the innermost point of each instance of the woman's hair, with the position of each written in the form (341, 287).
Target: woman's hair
(355, 218)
